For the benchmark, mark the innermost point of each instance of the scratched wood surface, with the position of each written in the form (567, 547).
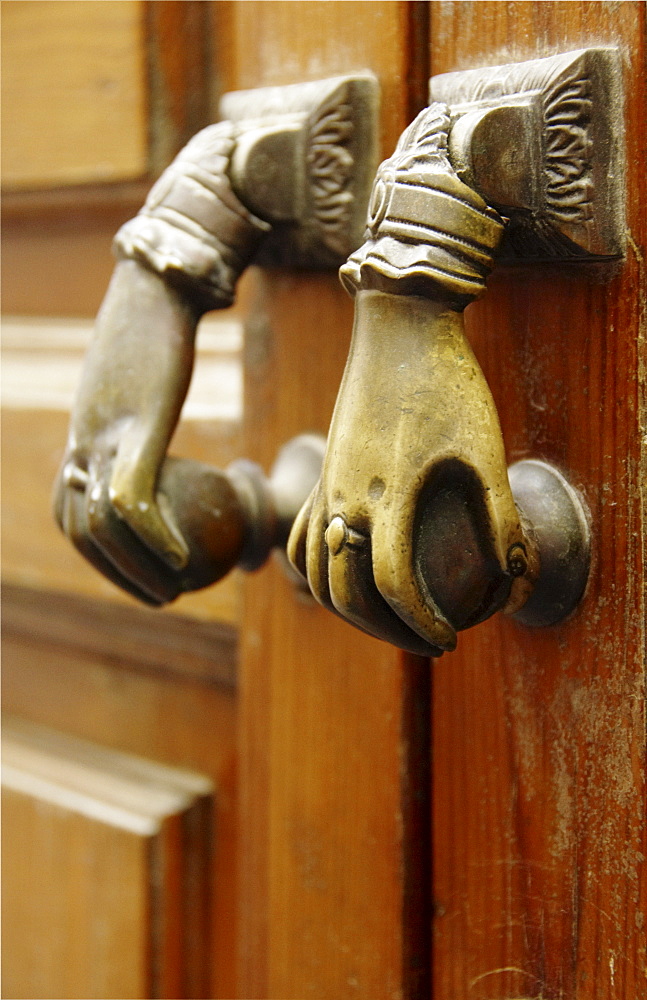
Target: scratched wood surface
(538, 737)
(332, 761)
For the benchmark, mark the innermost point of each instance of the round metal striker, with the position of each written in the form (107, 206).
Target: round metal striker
(557, 518)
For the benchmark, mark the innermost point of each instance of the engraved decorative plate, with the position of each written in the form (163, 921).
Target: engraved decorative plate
(542, 141)
(308, 166)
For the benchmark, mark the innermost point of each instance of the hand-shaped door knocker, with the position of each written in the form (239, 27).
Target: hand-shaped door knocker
(415, 529)
(284, 179)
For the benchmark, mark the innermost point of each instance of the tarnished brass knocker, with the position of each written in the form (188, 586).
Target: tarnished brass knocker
(415, 529)
(283, 179)
(413, 532)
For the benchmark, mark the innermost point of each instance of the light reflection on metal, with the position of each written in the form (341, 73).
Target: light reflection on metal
(284, 180)
(412, 532)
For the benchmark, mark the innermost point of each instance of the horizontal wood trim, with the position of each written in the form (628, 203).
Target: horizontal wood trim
(103, 853)
(42, 362)
(59, 264)
(79, 200)
(130, 637)
(96, 781)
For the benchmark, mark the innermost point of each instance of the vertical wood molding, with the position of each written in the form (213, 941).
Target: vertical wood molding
(179, 39)
(333, 758)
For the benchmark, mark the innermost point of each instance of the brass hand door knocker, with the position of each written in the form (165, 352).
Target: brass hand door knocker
(283, 180)
(416, 528)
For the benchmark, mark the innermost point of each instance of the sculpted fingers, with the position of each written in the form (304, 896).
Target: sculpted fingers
(121, 546)
(317, 554)
(296, 547)
(398, 581)
(70, 511)
(336, 558)
(132, 496)
(355, 595)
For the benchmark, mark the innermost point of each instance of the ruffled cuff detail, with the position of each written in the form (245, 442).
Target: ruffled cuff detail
(193, 229)
(428, 233)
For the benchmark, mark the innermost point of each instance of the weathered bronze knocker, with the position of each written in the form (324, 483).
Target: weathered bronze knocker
(416, 529)
(283, 179)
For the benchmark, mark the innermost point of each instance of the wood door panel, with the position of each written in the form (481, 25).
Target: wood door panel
(106, 874)
(74, 93)
(100, 93)
(81, 685)
(538, 735)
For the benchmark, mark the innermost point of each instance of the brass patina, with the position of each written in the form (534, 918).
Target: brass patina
(413, 530)
(287, 174)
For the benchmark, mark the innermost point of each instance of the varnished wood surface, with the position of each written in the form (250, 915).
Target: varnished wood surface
(538, 736)
(333, 776)
(167, 717)
(183, 92)
(84, 135)
(77, 655)
(74, 93)
(538, 739)
(109, 856)
(139, 638)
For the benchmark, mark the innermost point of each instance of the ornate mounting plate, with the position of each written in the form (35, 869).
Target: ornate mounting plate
(307, 165)
(542, 141)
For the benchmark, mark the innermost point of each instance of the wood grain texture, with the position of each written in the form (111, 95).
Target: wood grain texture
(74, 93)
(170, 718)
(135, 637)
(108, 856)
(182, 92)
(538, 736)
(76, 653)
(333, 779)
(46, 255)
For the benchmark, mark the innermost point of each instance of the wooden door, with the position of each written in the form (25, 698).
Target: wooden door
(471, 828)
(119, 789)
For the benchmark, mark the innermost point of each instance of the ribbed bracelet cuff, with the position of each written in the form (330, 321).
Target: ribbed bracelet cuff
(428, 232)
(193, 228)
